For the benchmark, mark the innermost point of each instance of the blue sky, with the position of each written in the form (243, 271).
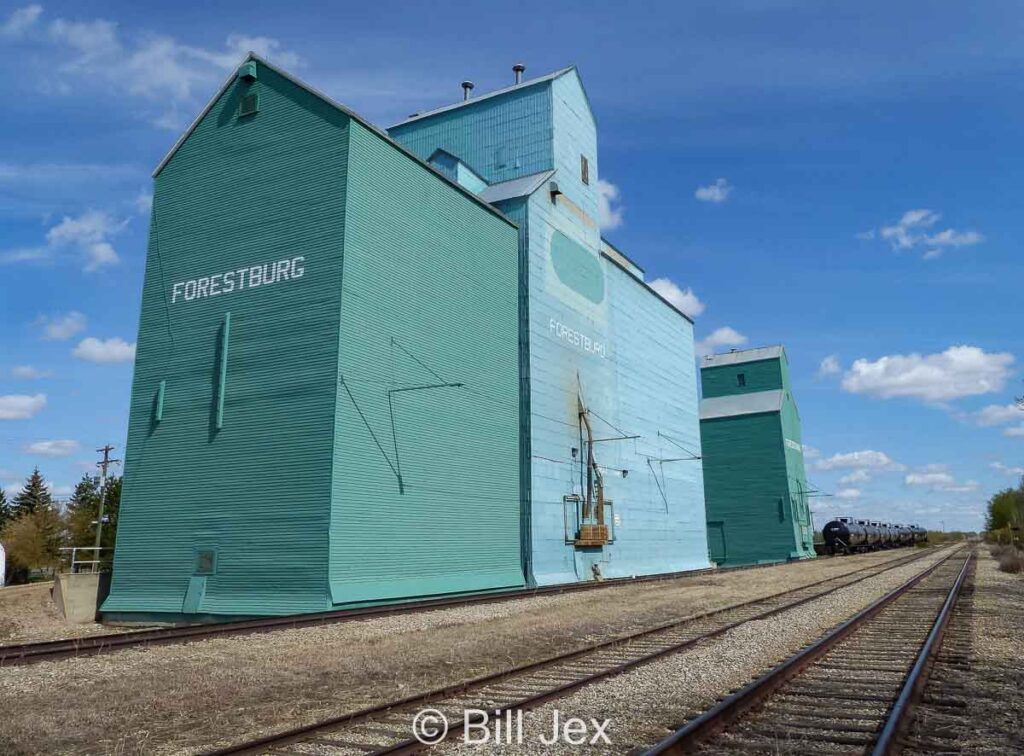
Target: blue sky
(840, 180)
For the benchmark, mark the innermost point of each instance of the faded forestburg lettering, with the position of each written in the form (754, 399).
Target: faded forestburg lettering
(249, 277)
(576, 338)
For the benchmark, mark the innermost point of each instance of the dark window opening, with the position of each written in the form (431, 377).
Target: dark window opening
(741, 379)
(584, 169)
(249, 105)
(206, 562)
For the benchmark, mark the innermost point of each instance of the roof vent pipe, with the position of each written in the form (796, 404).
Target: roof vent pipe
(518, 69)
(467, 87)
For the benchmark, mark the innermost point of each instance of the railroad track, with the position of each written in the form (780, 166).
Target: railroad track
(853, 691)
(388, 728)
(29, 653)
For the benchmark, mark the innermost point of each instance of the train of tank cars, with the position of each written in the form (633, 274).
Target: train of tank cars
(845, 535)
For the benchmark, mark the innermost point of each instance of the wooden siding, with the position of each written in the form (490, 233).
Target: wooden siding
(238, 193)
(754, 478)
(429, 296)
(500, 138)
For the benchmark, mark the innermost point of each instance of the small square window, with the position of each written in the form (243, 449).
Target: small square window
(206, 562)
(249, 105)
(584, 169)
(741, 379)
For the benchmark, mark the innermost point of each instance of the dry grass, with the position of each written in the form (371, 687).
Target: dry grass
(28, 614)
(177, 699)
(1010, 558)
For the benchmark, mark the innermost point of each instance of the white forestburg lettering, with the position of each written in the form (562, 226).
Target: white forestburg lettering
(794, 446)
(574, 337)
(249, 277)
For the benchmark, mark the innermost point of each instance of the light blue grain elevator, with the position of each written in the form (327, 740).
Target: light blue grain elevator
(612, 483)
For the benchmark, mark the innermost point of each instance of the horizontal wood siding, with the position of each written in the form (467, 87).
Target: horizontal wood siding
(429, 296)
(239, 193)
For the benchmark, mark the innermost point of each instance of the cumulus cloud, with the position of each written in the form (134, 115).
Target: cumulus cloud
(848, 493)
(29, 373)
(158, 69)
(89, 233)
(857, 476)
(104, 351)
(810, 452)
(998, 414)
(717, 192)
(20, 20)
(718, 339)
(829, 366)
(1015, 432)
(56, 448)
(609, 207)
(88, 236)
(684, 299)
(1007, 469)
(957, 372)
(143, 202)
(867, 459)
(61, 327)
(938, 478)
(913, 231)
(21, 406)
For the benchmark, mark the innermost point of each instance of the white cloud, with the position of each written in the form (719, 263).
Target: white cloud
(719, 338)
(938, 478)
(957, 372)
(143, 202)
(830, 366)
(683, 299)
(1006, 469)
(857, 476)
(933, 479)
(29, 373)
(912, 232)
(867, 459)
(104, 351)
(56, 448)
(152, 67)
(89, 233)
(998, 414)
(61, 327)
(716, 192)
(20, 21)
(1015, 432)
(21, 406)
(810, 452)
(609, 207)
(848, 493)
(61, 490)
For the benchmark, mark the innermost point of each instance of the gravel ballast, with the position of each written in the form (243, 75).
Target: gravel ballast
(183, 698)
(643, 705)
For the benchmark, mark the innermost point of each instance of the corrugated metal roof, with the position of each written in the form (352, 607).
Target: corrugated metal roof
(741, 404)
(742, 355)
(520, 187)
(474, 100)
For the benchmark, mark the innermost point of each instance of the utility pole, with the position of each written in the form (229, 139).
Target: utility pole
(103, 465)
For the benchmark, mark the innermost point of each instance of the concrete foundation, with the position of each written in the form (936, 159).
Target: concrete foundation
(78, 596)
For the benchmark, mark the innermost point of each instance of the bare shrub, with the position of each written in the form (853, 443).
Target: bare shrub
(1011, 560)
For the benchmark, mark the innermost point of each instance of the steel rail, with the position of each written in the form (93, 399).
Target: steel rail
(298, 734)
(29, 653)
(688, 737)
(901, 714)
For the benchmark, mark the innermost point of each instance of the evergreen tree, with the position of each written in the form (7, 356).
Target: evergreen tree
(34, 496)
(82, 510)
(6, 512)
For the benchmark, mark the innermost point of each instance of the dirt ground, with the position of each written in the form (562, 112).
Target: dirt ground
(28, 615)
(180, 699)
(996, 677)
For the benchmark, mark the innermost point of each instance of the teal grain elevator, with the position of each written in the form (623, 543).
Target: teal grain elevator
(754, 477)
(374, 366)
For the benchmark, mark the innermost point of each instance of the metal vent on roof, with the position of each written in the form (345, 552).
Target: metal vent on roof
(249, 105)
